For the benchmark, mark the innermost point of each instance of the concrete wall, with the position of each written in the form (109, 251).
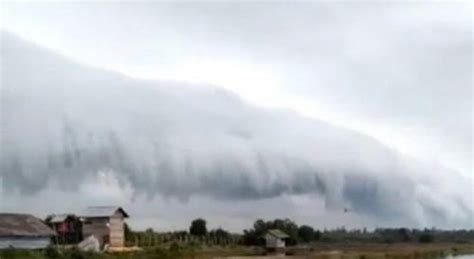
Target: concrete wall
(24, 242)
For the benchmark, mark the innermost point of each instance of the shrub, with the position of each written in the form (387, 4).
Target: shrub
(51, 252)
(426, 238)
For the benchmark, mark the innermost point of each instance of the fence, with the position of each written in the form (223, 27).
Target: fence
(152, 239)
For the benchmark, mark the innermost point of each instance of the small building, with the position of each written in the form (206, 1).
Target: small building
(68, 228)
(275, 239)
(23, 231)
(106, 223)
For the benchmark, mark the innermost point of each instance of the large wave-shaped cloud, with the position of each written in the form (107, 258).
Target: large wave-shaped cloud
(65, 122)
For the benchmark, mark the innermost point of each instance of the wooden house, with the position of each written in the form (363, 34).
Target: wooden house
(106, 223)
(68, 228)
(23, 231)
(275, 239)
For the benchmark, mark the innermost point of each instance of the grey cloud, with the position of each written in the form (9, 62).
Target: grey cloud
(409, 63)
(65, 122)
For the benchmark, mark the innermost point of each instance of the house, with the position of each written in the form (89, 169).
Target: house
(106, 223)
(23, 231)
(68, 228)
(275, 239)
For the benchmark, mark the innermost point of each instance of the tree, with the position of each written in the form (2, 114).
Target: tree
(251, 238)
(127, 232)
(306, 233)
(317, 235)
(260, 227)
(287, 226)
(198, 227)
(404, 234)
(219, 233)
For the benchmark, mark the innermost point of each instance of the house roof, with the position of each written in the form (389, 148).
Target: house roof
(58, 218)
(102, 212)
(12, 224)
(277, 233)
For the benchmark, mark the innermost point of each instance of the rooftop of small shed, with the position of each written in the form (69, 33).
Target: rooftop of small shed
(277, 233)
(102, 212)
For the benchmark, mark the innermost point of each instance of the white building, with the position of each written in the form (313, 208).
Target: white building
(275, 238)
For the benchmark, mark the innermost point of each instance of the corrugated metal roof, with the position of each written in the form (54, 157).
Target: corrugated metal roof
(102, 212)
(277, 233)
(12, 224)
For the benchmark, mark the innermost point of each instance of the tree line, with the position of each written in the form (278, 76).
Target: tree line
(198, 233)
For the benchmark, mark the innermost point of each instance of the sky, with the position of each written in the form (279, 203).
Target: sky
(392, 79)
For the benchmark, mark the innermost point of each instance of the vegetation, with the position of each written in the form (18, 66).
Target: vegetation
(426, 238)
(298, 235)
(304, 240)
(315, 251)
(198, 227)
(307, 234)
(260, 227)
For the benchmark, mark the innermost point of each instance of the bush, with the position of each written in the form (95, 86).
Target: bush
(255, 236)
(174, 247)
(426, 238)
(78, 254)
(51, 252)
(12, 253)
(174, 251)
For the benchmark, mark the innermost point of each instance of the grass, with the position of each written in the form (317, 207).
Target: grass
(389, 251)
(169, 252)
(316, 251)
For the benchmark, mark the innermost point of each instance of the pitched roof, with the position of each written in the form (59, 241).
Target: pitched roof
(102, 212)
(277, 233)
(12, 224)
(57, 218)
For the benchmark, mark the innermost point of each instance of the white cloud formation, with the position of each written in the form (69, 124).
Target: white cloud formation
(68, 127)
(400, 72)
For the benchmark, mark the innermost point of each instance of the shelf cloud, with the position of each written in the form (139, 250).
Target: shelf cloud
(63, 123)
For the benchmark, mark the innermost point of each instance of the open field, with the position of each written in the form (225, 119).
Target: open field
(382, 251)
(316, 251)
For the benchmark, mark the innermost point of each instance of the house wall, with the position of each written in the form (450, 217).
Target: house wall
(106, 230)
(274, 242)
(24, 242)
(117, 234)
(67, 232)
(96, 227)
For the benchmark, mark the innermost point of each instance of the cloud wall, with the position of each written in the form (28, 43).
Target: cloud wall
(63, 122)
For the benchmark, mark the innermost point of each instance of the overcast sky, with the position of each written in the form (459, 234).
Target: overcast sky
(400, 73)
